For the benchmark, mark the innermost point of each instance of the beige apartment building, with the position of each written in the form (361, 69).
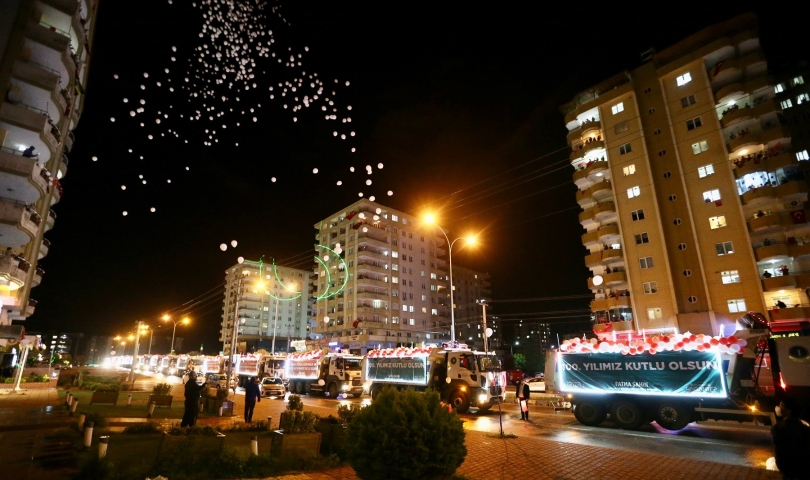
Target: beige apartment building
(269, 300)
(387, 285)
(690, 172)
(472, 286)
(45, 54)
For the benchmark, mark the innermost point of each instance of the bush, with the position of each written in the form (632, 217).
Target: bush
(331, 419)
(197, 430)
(38, 378)
(103, 387)
(295, 403)
(294, 421)
(148, 427)
(260, 426)
(348, 412)
(405, 434)
(162, 389)
(99, 420)
(222, 394)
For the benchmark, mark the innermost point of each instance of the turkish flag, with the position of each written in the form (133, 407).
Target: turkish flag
(719, 203)
(798, 217)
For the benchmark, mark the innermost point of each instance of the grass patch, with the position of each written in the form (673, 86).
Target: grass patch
(498, 435)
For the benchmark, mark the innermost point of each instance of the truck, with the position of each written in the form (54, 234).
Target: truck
(324, 372)
(463, 378)
(273, 366)
(675, 379)
(248, 365)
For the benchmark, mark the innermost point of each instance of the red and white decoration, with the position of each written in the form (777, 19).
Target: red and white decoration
(657, 343)
(401, 352)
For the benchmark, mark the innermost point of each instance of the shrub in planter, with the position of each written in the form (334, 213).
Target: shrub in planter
(295, 403)
(293, 421)
(405, 434)
(348, 412)
(162, 389)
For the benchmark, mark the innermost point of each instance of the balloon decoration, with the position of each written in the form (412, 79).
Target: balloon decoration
(657, 343)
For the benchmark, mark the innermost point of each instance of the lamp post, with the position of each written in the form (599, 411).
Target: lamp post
(470, 241)
(234, 327)
(184, 321)
(275, 323)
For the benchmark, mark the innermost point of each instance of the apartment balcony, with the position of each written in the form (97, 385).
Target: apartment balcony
(363, 280)
(586, 217)
(799, 250)
(369, 240)
(795, 190)
(728, 72)
(608, 233)
(604, 211)
(372, 295)
(18, 225)
(615, 278)
(590, 238)
(758, 83)
(69, 7)
(576, 153)
(22, 178)
(37, 278)
(758, 196)
(736, 116)
(599, 305)
(371, 310)
(775, 136)
(69, 139)
(789, 313)
(367, 267)
(38, 75)
(29, 309)
(50, 37)
(775, 251)
(726, 93)
(574, 136)
(784, 159)
(62, 167)
(50, 220)
(44, 248)
(765, 222)
(588, 126)
(609, 327)
(783, 282)
(753, 62)
(740, 142)
(11, 273)
(618, 302)
(597, 192)
(594, 145)
(367, 253)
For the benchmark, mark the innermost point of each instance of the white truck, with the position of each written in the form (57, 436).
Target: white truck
(319, 371)
(247, 366)
(463, 378)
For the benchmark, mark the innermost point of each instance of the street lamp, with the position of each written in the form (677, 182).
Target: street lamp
(144, 328)
(184, 321)
(470, 240)
(275, 322)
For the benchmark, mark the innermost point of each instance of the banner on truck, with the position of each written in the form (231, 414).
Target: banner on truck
(690, 374)
(406, 370)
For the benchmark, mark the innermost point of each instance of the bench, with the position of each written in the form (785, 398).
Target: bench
(104, 397)
(161, 400)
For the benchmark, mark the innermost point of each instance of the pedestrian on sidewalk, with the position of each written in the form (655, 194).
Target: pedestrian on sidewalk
(253, 394)
(522, 391)
(192, 403)
(791, 441)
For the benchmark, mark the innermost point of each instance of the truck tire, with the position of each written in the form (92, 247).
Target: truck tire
(484, 407)
(459, 401)
(299, 388)
(357, 395)
(627, 415)
(375, 392)
(589, 413)
(672, 415)
(332, 390)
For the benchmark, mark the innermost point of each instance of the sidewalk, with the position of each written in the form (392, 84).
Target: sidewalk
(35, 408)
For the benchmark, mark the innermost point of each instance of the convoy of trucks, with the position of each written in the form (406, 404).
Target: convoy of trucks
(319, 371)
(677, 379)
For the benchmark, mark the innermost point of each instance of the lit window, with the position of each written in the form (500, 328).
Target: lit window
(633, 192)
(786, 104)
(706, 170)
(637, 215)
(684, 79)
(699, 147)
(619, 107)
(730, 276)
(798, 80)
(724, 248)
(650, 287)
(394, 218)
(434, 311)
(711, 196)
(645, 262)
(803, 97)
(394, 279)
(779, 88)
(687, 101)
(736, 305)
(717, 222)
(693, 123)
(629, 170)
(642, 238)
(802, 155)
(654, 313)
(625, 149)
(433, 276)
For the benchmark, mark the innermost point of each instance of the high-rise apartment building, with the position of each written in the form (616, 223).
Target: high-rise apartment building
(270, 298)
(97, 348)
(387, 286)
(691, 178)
(45, 48)
(472, 286)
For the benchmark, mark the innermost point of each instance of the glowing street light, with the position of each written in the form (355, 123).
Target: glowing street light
(184, 321)
(469, 240)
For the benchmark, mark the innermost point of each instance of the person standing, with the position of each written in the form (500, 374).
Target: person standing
(522, 392)
(791, 441)
(253, 394)
(192, 403)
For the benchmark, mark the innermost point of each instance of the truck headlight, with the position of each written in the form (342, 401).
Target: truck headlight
(344, 387)
(482, 398)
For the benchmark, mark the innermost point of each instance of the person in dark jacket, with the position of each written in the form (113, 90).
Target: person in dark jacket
(192, 403)
(253, 394)
(791, 442)
(522, 392)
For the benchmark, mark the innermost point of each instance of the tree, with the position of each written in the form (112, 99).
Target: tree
(403, 435)
(520, 361)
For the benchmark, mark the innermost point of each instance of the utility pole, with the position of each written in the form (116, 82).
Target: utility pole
(233, 330)
(288, 337)
(275, 325)
(131, 378)
(484, 307)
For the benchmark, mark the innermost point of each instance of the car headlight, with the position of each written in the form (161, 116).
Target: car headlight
(482, 398)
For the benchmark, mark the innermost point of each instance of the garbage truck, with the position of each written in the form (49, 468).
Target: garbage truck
(324, 372)
(463, 378)
(675, 379)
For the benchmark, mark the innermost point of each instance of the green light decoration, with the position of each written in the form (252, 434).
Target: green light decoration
(322, 296)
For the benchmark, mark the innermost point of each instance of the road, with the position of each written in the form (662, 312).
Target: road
(730, 444)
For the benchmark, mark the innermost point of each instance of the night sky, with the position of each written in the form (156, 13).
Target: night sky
(448, 97)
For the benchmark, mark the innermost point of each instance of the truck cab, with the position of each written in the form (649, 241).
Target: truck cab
(466, 378)
(338, 374)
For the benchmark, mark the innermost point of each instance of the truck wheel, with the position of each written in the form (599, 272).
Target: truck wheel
(333, 390)
(299, 388)
(357, 395)
(627, 415)
(375, 392)
(460, 402)
(484, 407)
(589, 413)
(672, 416)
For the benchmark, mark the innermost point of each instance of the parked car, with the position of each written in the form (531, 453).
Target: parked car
(273, 387)
(537, 385)
(514, 376)
(220, 380)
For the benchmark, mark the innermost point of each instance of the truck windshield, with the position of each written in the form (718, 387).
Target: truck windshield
(487, 362)
(352, 364)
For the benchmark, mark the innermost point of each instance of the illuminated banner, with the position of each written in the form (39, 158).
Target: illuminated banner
(694, 374)
(303, 368)
(211, 365)
(410, 370)
(247, 366)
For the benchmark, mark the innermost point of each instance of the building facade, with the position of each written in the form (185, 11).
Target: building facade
(380, 280)
(692, 187)
(45, 48)
(270, 299)
(471, 287)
